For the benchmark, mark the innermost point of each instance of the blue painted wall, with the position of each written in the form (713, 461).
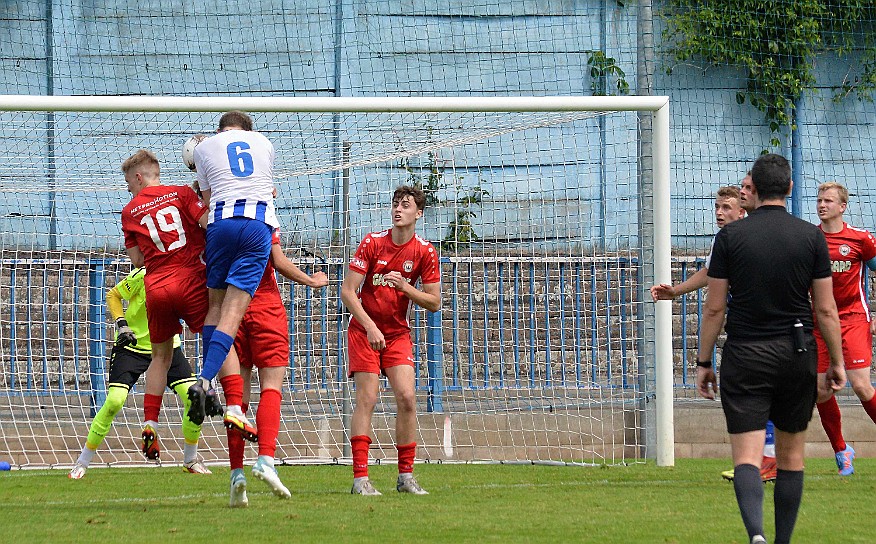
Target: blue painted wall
(384, 47)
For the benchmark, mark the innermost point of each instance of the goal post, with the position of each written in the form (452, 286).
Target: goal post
(535, 356)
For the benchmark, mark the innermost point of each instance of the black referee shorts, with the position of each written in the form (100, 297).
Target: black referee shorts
(126, 367)
(768, 379)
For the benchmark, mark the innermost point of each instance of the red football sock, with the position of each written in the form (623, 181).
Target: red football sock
(236, 447)
(151, 406)
(268, 421)
(832, 421)
(232, 386)
(360, 444)
(870, 407)
(406, 454)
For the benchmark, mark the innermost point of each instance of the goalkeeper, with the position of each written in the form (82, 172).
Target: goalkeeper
(130, 358)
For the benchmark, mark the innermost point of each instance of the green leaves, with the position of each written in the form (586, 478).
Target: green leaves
(430, 178)
(602, 70)
(776, 44)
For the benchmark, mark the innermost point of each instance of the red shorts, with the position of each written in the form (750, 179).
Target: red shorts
(399, 351)
(184, 298)
(263, 337)
(857, 346)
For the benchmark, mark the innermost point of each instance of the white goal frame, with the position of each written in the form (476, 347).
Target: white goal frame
(660, 155)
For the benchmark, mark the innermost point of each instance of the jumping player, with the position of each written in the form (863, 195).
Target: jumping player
(263, 342)
(162, 231)
(131, 355)
(235, 173)
(384, 270)
(850, 249)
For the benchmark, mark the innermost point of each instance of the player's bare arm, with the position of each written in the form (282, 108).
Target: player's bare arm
(290, 270)
(351, 284)
(136, 257)
(829, 324)
(429, 298)
(710, 327)
(668, 292)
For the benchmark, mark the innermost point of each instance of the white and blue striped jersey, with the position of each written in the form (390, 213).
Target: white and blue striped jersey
(237, 166)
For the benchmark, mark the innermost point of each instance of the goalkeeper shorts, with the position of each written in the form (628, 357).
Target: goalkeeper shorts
(127, 366)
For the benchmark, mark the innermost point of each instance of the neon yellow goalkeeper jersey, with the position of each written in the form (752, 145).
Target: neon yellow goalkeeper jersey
(133, 290)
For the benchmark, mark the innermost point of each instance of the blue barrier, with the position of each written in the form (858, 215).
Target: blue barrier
(515, 323)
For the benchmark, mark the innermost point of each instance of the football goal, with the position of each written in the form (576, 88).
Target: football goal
(551, 216)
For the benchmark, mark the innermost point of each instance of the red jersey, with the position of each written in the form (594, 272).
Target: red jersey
(162, 220)
(268, 293)
(849, 250)
(376, 256)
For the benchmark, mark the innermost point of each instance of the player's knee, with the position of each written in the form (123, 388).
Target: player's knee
(115, 399)
(406, 401)
(365, 402)
(864, 390)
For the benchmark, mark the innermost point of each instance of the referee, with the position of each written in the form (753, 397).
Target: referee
(769, 263)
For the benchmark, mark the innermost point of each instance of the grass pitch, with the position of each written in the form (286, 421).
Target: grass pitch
(467, 503)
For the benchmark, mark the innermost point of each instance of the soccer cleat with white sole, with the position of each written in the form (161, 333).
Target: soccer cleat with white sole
(196, 467)
(268, 474)
(844, 461)
(363, 486)
(238, 490)
(77, 472)
(758, 539)
(234, 420)
(410, 485)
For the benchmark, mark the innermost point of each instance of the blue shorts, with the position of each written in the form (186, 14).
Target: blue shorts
(237, 253)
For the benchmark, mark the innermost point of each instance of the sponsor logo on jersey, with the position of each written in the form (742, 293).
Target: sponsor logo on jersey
(356, 261)
(840, 266)
(845, 250)
(380, 261)
(408, 266)
(380, 280)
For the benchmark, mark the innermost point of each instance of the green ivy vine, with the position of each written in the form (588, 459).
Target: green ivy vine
(776, 43)
(429, 177)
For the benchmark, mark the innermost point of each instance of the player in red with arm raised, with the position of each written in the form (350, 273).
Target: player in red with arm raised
(384, 270)
(850, 250)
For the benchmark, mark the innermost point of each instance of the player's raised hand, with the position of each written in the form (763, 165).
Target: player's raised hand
(663, 291)
(124, 335)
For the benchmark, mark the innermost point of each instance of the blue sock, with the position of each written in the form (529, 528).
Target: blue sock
(206, 335)
(220, 345)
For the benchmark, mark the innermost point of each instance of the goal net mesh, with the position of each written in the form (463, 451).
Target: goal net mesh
(536, 355)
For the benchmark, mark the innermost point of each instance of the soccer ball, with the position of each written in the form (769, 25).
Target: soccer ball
(188, 150)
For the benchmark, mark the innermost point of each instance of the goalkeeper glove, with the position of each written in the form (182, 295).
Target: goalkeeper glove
(212, 404)
(124, 335)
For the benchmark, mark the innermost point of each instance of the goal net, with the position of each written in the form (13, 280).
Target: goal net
(550, 216)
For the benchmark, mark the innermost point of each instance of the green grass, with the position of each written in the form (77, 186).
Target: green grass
(468, 503)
